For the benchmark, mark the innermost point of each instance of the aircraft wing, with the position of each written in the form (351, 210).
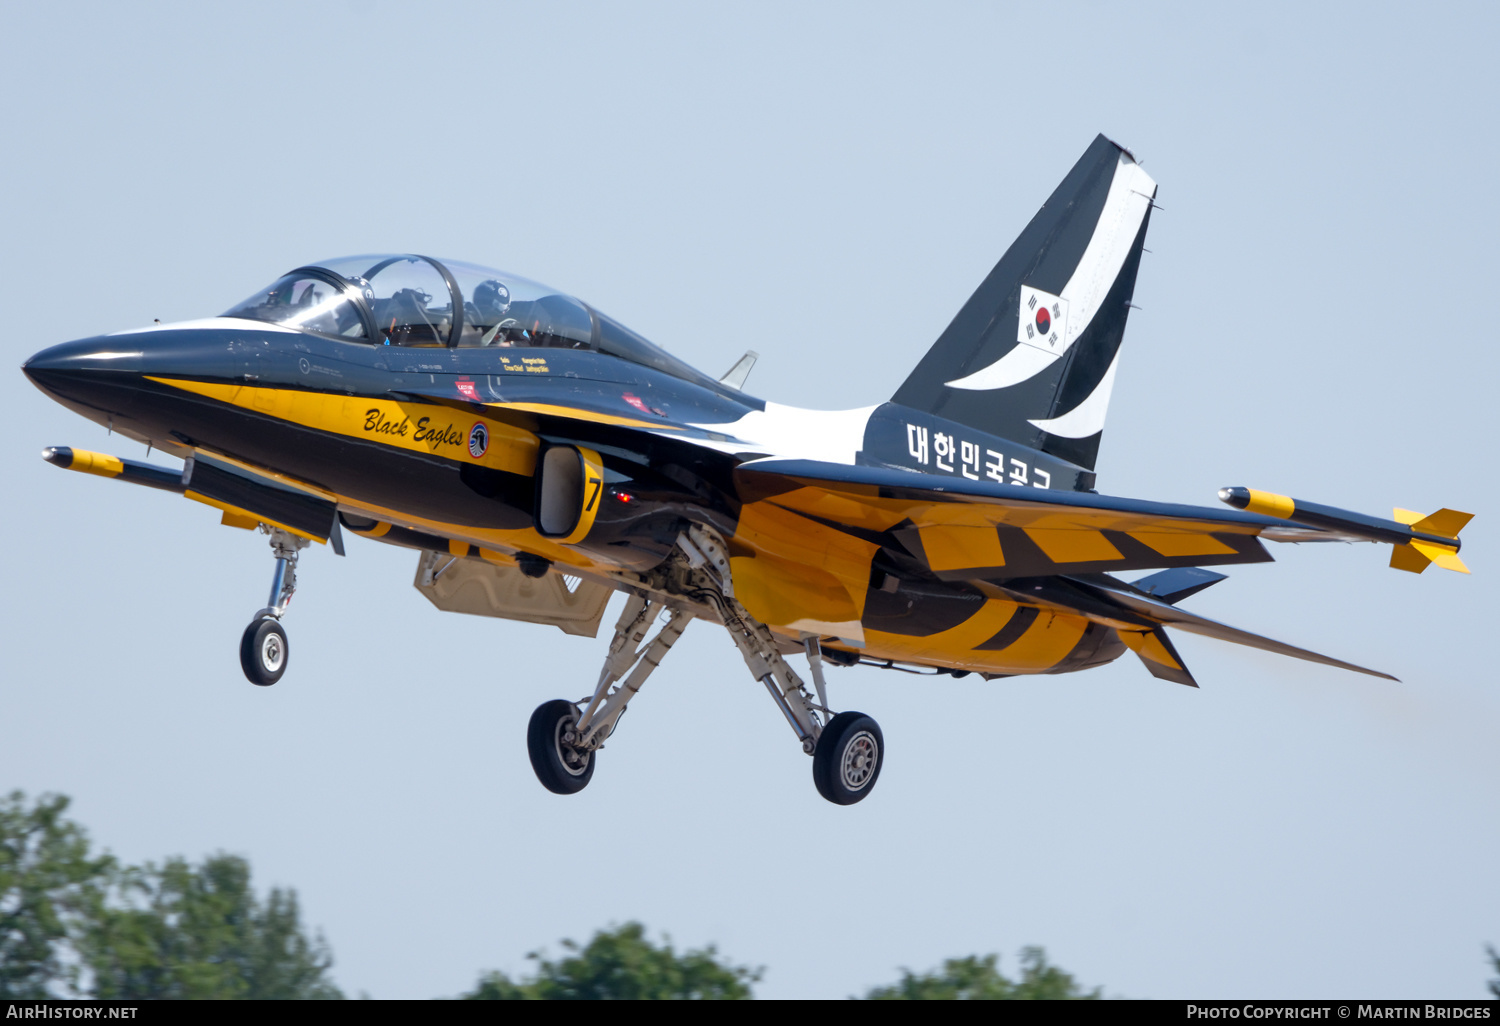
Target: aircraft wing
(1043, 548)
(963, 529)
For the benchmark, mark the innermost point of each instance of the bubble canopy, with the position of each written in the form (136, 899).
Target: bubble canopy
(406, 299)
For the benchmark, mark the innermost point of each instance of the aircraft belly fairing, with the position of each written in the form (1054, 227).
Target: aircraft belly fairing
(540, 455)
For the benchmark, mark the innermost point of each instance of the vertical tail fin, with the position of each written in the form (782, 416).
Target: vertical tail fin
(1032, 354)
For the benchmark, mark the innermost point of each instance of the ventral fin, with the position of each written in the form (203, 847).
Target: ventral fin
(1158, 655)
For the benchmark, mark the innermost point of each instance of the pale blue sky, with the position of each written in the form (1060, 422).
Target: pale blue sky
(825, 184)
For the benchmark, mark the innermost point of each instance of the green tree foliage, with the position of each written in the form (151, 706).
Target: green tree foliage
(980, 979)
(182, 931)
(47, 879)
(73, 923)
(77, 923)
(623, 964)
(1495, 962)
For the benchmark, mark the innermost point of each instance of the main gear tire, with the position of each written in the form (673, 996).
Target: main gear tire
(264, 652)
(848, 758)
(560, 767)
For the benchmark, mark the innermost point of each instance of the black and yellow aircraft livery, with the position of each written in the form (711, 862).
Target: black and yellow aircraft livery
(542, 456)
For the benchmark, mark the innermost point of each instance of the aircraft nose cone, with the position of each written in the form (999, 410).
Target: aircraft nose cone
(84, 355)
(89, 374)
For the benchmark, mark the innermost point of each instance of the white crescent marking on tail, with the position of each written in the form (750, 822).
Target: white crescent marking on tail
(1087, 418)
(1125, 207)
(1013, 368)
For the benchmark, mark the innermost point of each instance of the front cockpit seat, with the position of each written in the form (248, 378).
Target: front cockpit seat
(404, 321)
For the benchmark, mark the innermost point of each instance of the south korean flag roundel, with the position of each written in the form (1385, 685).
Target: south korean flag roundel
(1044, 320)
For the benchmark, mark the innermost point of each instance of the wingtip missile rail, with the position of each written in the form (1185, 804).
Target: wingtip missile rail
(105, 465)
(1417, 541)
(245, 499)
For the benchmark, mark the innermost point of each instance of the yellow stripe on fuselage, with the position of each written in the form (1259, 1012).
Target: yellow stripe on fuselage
(574, 413)
(510, 448)
(415, 427)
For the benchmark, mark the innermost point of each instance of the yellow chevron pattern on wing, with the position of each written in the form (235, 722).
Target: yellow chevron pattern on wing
(1073, 546)
(964, 533)
(959, 548)
(1181, 543)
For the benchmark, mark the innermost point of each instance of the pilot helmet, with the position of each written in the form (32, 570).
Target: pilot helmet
(362, 286)
(492, 299)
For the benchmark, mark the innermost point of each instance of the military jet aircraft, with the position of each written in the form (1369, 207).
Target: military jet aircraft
(541, 456)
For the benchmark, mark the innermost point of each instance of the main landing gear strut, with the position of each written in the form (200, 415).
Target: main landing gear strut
(564, 738)
(263, 647)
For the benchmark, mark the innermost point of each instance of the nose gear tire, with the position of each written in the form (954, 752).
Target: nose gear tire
(561, 768)
(263, 652)
(847, 761)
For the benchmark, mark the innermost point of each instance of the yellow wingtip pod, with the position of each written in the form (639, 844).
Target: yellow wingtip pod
(1269, 504)
(83, 461)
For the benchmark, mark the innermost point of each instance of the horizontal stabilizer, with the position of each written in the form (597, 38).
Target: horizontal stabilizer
(1113, 603)
(1152, 608)
(1158, 655)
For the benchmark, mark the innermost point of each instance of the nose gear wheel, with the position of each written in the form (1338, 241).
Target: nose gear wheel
(263, 646)
(263, 652)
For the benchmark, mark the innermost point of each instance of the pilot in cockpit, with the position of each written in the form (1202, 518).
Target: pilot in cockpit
(492, 302)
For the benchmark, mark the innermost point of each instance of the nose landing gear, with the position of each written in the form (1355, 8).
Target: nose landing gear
(263, 646)
(263, 652)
